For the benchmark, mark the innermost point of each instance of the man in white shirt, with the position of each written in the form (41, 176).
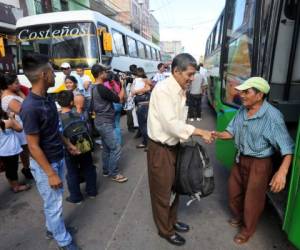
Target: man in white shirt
(86, 83)
(159, 76)
(166, 128)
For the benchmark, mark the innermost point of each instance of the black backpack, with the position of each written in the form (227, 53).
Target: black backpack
(76, 130)
(194, 174)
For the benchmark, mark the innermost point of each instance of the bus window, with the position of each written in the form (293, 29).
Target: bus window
(119, 42)
(148, 50)
(153, 53)
(290, 9)
(221, 30)
(239, 12)
(141, 49)
(238, 67)
(156, 55)
(132, 50)
(79, 46)
(30, 42)
(159, 55)
(217, 34)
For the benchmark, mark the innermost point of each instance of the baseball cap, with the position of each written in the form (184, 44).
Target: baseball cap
(255, 82)
(65, 65)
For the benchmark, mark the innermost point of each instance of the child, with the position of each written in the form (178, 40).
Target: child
(72, 121)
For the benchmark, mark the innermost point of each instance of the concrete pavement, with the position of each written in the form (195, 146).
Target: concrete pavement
(120, 216)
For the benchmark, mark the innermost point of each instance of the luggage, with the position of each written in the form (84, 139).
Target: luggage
(76, 130)
(194, 174)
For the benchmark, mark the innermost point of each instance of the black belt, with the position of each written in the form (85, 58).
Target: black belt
(164, 145)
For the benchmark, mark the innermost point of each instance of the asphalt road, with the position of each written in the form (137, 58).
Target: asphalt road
(120, 216)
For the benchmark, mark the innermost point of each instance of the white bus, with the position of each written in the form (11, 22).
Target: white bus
(83, 37)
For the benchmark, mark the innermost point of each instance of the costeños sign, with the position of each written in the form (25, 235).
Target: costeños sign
(56, 31)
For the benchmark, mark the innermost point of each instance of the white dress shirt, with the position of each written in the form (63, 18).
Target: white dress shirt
(168, 113)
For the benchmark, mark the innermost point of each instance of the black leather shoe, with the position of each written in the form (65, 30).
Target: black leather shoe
(174, 239)
(181, 227)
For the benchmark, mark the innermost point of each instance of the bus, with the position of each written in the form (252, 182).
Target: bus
(83, 37)
(259, 38)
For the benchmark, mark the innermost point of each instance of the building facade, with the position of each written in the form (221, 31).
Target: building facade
(169, 49)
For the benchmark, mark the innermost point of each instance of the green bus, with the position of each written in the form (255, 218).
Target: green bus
(259, 38)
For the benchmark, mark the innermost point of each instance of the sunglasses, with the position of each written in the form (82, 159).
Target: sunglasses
(65, 68)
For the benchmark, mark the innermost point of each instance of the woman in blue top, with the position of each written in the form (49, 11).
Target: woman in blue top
(10, 149)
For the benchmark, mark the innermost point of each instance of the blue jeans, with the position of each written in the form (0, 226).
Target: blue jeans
(52, 201)
(118, 109)
(76, 165)
(111, 152)
(142, 114)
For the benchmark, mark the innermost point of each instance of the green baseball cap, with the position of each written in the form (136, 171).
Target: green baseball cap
(255, 82)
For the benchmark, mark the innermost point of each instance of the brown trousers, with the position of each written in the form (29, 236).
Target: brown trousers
(248, 183)
(161, 173)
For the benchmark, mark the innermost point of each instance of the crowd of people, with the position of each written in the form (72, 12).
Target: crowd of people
(51, 133)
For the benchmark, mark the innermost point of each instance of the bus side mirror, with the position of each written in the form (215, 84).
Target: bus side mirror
(2, 48)
(107, 42)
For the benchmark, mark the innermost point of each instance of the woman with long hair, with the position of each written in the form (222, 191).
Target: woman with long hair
(11, 101)
(141, 88)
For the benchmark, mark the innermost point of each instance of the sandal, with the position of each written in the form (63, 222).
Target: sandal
(20, 188)
(119, 178)
(240, 239)
(235, 222)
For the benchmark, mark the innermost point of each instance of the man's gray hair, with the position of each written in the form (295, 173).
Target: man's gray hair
(182, 61)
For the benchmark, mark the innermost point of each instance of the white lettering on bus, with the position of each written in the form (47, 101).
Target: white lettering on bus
(25, 34)
(74, 31)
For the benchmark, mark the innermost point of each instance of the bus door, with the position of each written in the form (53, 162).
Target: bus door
(105, 43)
(236, 60)
(285, 89)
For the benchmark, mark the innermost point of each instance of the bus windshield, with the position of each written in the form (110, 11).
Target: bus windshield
(75, 43)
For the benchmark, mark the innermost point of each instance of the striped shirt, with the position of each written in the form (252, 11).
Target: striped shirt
(261, 134)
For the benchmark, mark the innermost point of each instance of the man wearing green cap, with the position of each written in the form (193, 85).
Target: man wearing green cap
(258, 130)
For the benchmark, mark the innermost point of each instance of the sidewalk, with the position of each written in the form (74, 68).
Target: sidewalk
(120, 217)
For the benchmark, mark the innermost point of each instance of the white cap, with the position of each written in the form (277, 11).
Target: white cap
(65, 65)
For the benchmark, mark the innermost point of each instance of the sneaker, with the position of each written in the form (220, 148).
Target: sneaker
(71, 246)
(119, 178)
(68, 199)
(199, 119)
(191, 119)
(92, 197)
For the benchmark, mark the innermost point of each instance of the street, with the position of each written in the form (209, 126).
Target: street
(120, 216)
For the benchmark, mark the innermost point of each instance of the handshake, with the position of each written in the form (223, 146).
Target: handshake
(211, 136)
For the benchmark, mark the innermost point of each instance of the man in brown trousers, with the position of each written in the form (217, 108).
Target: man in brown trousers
(166, 128)
(258, 130)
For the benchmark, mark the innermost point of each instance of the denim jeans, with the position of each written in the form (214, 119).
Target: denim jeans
(142, 114)
(76, 165)
(111, 152)
(52, 201)
(118, 109)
